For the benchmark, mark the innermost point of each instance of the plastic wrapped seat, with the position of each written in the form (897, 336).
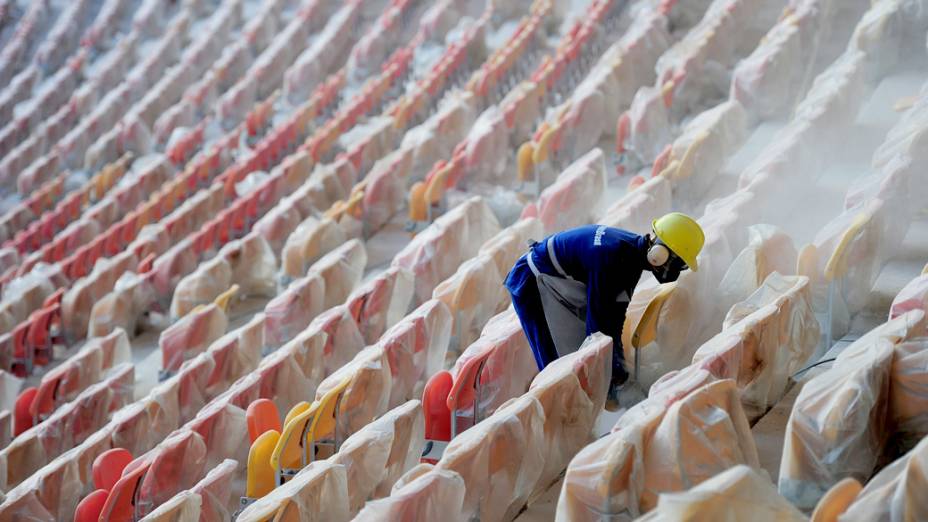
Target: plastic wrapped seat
(342, 269)
(318, 493)
(896, 492)
(913, 296)
(294, 309)
(312, 239)
(575, 197)
(506, 247)
(665, 444)
(839, 423)
(381, 302)
(194, 333)
(438, 494)
(740, 493)
(474, 294)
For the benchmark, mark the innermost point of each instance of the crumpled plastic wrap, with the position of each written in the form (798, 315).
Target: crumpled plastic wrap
(292, 373)
(292, 311)
(215, 491)
(435, 495)
(121, 309)
(254, 266)
(67, 426)
(908, 392)
(839, 423)
(895, 493)
(646, 127)
(765, 340)
(664, 444)
(913, 296)
(506, 247)
(176, 464)
(186, 505)
(317, 61)
(368, 393)
(342, 269)
(436, 137)
(435, 253)
(312, 239)
(889, 32)
(487, 147)
(740, 493)
(584, 121)
(318, 493)
(25, 294)
(500, 459)
(474, 294)
(191, 335)
(636, 209)
(572, 391)
(385, 190)
(343, 339)
(210, 279)
(381, 302)
(9, 390)
(509, 369)
(278, 223)
(769, 250)
(833, 100)
(376, 456)
(221, 424)
(576, 197)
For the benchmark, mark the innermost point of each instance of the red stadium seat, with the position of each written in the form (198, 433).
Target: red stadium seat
(108, 467)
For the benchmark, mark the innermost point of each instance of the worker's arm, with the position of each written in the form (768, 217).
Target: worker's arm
(604, 312)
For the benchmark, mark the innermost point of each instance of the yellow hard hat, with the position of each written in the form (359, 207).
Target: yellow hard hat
(682, 235)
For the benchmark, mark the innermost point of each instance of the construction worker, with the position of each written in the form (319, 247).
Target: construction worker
(580, 281)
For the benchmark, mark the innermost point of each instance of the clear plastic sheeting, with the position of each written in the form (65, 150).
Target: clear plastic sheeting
(500, 459)
(376, 456)
(191, 335)
(437, 494)
(913, 296)
(895, 493)
(123, 307)
(254, 266)
(318, 493)
(576, 197)
(668, 443)
(572, 392)
(312, 239)
(769, 81)
(487, 146)
(342, 269)
(381, 302)
(215, 491)
(474, 294)
(416, 348)
(436, 252)
(637, 208)
(9, 390)
(839, 424)
(740, 493)
(434, 139)
(343, 339)
(202, 286)
(294, 309)
(509, 368)
(766, 339)
(908, 392)
(367, 395)
(511, 243)
(176, 464)
(186, 505)
(769, 250)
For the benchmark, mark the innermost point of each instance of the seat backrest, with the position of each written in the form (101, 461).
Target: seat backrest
(262, 416)
(836, 266)
(646, 330)
(108, 468)
(260, 473)
(465, 393)
(90, 508)
(289, 452)
(22, 416)
(325, 421)
(120, 504)
(435, 406)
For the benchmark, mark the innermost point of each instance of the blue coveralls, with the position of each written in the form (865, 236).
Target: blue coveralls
(608, 260)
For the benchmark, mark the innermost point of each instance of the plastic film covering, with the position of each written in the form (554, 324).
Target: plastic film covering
(913, 296)
(376, 456)
(908, 392)
(897, 492)
(769, 82)
(254, 267)
(704, 146)
(584, 118)
(202, 286)
(668, 443)
(121, 309)
(769, 250)
(69, 425)
(367, 396)
(905, 137)
(9, 389)
(509, 368)
(186, 505)
(765, 340)
(215, 490)
(25, 294)
(456, 236)
(318, 493)
(293, 373)
(888, 32)
(172, 267)
(839, 423)
(279, 222)
(312, 239)
(572, 392)
(833, 100)
(437, 494)
(416, 348)
(83, 369)
(343, 339)
(474, 294)
(487, 147)
(635, 210)
(385, 189)
(191, 335)
(649, 127)
(193, 384)
(435, 138)
(500, 459)
(293, 310)
(506, 247)
(176, 464)
(740, 493)
(342, 269)
(576, 197)
(381, 302)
